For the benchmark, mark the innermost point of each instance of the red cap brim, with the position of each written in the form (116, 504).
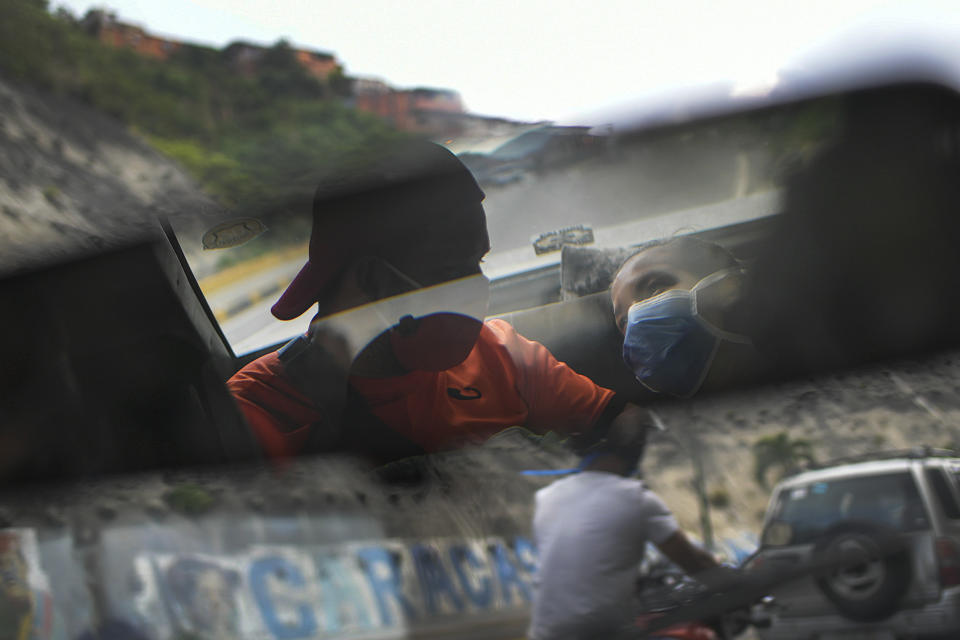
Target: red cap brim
(301, 294)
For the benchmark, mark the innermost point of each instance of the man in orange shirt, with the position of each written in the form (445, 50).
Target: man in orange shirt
(398, 360)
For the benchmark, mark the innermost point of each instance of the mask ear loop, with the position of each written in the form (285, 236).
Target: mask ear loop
(584, 463)
(414, 286)
(715, 330)
(400, 274)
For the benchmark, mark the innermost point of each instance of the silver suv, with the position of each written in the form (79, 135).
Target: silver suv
(847, 508)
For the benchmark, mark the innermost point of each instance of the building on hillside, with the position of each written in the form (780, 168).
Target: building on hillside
(319, 64)
(106, 28)
(245, 58)
(434, 112)
(443, 100)
(370, 86)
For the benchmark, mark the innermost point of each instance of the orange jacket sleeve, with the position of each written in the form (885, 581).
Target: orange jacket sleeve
(559, 398)
(280, 417)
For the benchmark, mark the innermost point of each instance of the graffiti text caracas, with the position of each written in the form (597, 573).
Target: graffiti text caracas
(335, 591)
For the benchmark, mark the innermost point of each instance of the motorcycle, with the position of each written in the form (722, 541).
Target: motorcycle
(677, 607)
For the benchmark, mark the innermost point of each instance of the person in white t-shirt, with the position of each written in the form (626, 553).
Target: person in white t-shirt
(591, 531)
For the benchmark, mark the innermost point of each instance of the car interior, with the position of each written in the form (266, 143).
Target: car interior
(127, 360)
(115, 362)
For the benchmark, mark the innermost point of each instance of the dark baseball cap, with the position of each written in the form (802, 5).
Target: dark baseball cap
(374, 204)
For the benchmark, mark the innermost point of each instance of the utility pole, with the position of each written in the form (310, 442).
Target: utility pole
(693, 449)
(700, 486)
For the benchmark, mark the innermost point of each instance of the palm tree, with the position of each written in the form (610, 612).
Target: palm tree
(779, 451)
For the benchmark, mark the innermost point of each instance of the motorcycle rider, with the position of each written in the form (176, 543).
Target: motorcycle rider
(591, 530)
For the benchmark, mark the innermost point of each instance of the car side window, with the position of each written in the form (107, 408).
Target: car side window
(889, 499)
(945, 495)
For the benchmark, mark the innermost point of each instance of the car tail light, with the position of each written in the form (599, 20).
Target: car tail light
(948, 561)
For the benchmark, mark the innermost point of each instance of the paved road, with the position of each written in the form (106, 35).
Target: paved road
(641, 182)
(236, 296)
(254, 327)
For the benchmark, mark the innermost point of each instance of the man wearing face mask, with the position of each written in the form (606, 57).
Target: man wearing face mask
(677, 304)
(398, 360)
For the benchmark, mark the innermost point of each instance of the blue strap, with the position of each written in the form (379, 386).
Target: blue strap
(550, 472)
(584, 463)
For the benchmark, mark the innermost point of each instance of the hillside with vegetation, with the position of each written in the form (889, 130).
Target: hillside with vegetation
(247, 139)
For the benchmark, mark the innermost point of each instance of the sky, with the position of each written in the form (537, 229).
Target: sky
(556, 59)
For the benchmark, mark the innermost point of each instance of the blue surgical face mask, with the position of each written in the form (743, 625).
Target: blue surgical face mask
(668, 345)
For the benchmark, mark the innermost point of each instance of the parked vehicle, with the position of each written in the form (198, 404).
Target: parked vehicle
(665, 593)
(854, 507)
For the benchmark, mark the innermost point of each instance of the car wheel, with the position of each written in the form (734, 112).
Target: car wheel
(868, 591)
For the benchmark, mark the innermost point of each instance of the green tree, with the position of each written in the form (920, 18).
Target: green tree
(339, 83)
(26, 34)
(280, 72)
(251, 141)
(779, 451)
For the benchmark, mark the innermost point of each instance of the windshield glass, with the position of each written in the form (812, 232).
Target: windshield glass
(433, 309)
(546, 187)
(809, 510)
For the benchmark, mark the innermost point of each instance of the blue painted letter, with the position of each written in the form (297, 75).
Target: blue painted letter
(344, 604)
(461, 555)
(526, 554)
(283, 570)
(434, 579)
(374, 560)
(507, 573)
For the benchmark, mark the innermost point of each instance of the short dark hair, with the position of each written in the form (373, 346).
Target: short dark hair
(629, 451)
(630, 456)
(703, 255)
